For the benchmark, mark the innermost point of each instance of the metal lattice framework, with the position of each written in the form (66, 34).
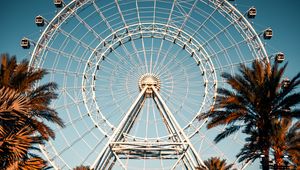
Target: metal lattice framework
(98, 51)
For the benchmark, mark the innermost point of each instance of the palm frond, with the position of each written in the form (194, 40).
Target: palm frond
(23, 111)
(228, 131)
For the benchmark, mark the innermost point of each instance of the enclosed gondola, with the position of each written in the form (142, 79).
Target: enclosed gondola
(251, 12)
(58, 3)
(279, 57)
(25, 43)
(39, 21)
(268, 33)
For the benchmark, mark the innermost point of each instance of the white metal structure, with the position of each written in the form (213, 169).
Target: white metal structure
(133, 77)
(177, 146)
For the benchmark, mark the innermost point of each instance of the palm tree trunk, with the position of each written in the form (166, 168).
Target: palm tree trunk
(265, 159)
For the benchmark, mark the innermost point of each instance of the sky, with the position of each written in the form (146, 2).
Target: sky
(17, 21)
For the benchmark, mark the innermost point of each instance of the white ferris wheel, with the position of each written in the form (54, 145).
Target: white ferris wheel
(134, 75)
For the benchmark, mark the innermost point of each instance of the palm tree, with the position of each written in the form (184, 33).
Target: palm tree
(24, 109)
(215, 163)
(255, 99)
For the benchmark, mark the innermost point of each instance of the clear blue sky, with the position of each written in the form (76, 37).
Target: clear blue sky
(17, 21)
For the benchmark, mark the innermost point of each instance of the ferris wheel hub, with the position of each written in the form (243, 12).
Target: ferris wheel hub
(150, 80)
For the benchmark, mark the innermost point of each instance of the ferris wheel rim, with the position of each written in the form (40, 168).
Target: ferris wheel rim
(165, 34)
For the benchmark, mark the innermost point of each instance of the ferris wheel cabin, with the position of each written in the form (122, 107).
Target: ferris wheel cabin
(39, 21)
(58, 3)
(268, 33)
(251, 12)
(25, 43)
(279, 57)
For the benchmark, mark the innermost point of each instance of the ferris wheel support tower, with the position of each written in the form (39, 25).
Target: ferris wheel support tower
(177, 147)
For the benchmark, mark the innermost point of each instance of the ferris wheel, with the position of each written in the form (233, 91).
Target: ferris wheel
(134, 76)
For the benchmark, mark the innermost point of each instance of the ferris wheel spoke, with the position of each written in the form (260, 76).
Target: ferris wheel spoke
(206, 20)
(225, 49)
(79, 118)
(126, 26)
(162, 42)
(157, 61)
(137, 62)
(65, 105)
(58, 53)
(237, 44)
(144, 52)
(86, 125)
(58, 156)
(56, 60)
(147, 120)
(155, 119)
(116, 65)
(141, 63)
(219, 33)
(70, 36)
(171, 13)
(143, 44)
(160, 68)
(129, 55)
(66, 72)
(99, 141)
(187, 16)
(235, 64)
(121, 97)
(76, 141)
(102, 16)
(131, 62)
(154, 12)
(88, 27)
(120, 13)
(170, 64)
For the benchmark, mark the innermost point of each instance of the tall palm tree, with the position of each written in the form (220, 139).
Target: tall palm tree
(215, 163)
(255, 98)
(24, 110)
